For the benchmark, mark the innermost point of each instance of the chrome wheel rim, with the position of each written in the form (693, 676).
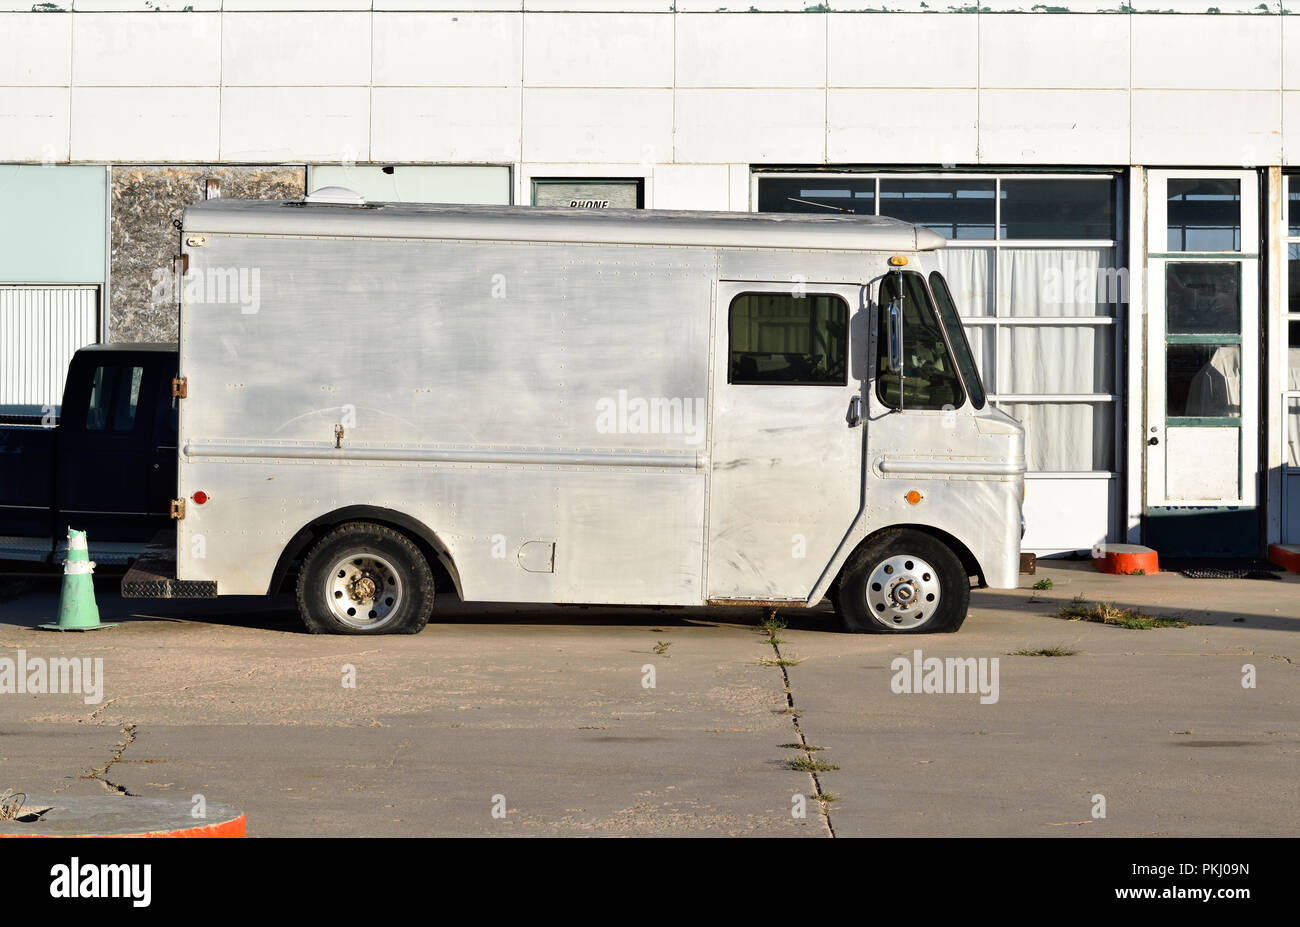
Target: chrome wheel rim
(903, 592)
(363, 591)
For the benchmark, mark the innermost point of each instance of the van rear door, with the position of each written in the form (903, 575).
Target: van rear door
(787, 452)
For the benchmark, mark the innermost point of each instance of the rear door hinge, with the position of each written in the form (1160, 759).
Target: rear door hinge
(180, 387)
(178, 509)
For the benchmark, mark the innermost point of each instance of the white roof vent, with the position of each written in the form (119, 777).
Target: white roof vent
(336, 196)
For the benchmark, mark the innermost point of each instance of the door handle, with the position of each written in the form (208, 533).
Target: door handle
(854, 415)
(1153, 441)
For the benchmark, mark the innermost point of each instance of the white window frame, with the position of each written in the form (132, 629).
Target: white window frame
(995, 323)
(1290, 474)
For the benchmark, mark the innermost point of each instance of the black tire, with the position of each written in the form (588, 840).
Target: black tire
(347, 571)
(924, 567)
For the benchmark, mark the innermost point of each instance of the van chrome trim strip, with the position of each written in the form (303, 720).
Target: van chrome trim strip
(909, 465)
(449, 455)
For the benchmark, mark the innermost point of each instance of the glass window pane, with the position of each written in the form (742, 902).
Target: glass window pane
(101, 388)
(1293, 278)
(1039, 209)
(1067, 436)
(1046, 359)
(114, 397)
(929, 374)
(1202, 298)
(957, 338)
(1037, 282)
(814, 194)
(1293, 205)
(982, 344)
(1293, 355)
(128, 398)
(1203, 380)
(953, 208)
(969, 272)
(779, 338)
(1204, 215)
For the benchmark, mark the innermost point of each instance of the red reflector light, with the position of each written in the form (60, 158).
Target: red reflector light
(199, 497)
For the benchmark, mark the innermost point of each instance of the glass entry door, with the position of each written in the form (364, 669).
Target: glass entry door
(1203, 365)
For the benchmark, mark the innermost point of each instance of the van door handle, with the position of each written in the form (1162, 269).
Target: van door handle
(854, 416)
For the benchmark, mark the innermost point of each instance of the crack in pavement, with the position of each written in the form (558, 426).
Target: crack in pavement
(818, 794)
(100, 774)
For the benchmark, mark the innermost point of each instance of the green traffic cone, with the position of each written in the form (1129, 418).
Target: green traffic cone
(77, 608)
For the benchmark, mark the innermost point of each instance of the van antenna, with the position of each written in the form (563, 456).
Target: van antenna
(795, 199)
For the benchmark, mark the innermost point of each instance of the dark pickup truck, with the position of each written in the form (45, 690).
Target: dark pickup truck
(108, 467)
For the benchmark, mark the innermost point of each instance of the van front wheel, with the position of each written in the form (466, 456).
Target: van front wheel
(362, 578)
(904, 582)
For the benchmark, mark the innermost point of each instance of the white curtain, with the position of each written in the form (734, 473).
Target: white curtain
(1067, 435)
(969, 272)
(1043, 360)
(1056, 282)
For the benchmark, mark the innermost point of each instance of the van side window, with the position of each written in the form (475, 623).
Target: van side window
(779, 338)
(114, 398)
(930, 378)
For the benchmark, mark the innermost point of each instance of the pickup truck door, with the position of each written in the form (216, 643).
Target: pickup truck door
(106, 450)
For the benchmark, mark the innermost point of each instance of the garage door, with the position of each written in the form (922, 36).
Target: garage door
(41, 327)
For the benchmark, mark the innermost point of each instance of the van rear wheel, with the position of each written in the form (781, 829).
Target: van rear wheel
(362, 578)
(904, 582)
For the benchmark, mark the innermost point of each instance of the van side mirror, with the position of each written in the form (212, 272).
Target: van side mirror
(894, 334)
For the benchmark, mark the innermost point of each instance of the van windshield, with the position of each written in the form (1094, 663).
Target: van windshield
(957, 336)
(930, 379)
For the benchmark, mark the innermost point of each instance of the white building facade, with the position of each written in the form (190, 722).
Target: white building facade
(1114, 180)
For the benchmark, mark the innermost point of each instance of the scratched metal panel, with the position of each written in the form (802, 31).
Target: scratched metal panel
(787, 468)
(40, 329)
(426, 348)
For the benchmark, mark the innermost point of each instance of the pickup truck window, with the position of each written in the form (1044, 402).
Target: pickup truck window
(114, 398)
(930, 378)
(780, 338)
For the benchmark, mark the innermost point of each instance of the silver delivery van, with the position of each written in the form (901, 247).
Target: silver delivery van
(618, 407)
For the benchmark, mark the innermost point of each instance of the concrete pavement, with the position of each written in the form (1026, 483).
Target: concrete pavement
(505, 720)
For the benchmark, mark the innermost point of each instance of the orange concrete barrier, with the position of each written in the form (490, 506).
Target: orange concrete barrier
(1286, 556)
(1125, 559)
(120, 816)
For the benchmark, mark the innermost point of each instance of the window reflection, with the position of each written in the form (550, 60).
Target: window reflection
(1204, 215)
(1203, 380)
(818, 196)
(953, 208)
(1203, 298)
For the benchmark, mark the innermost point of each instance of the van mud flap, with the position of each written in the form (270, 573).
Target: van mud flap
(153, 575)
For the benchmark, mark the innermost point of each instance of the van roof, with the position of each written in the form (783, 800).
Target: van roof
(831, 232)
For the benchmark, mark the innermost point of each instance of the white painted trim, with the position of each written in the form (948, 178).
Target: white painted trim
(1135, 342)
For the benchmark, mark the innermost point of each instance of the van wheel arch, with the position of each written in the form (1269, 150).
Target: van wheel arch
(446, 577)
(961, 550)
